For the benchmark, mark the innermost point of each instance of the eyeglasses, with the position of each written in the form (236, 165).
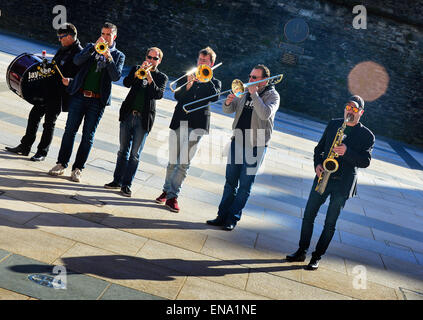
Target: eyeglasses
(352, 107)
(154, 58)
(62, 36)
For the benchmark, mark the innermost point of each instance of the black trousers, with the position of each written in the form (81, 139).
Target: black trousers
(315, 200)
(50, 114)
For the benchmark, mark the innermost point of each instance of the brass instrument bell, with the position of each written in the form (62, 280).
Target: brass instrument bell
(101, 47)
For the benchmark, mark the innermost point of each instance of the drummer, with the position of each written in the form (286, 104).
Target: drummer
(57, 99)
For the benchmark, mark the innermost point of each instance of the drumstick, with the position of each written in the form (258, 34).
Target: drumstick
(58, 70)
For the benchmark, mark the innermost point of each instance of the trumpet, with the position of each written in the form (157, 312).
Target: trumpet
(238, 88)
(101, 47)
(141, 72)
(203, 73)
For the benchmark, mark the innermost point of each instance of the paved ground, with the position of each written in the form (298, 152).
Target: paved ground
(132, 248)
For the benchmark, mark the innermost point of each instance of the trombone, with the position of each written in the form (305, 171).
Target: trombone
(101, 47)
(238, 88)
(141, 72)
(203, 73)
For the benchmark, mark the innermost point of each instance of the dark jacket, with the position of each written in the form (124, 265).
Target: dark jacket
(64, 60)
(85, 59)
(154, 92)
(359, 142)
(199, 119)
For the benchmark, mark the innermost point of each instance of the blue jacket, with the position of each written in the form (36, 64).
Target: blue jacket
(85, 59)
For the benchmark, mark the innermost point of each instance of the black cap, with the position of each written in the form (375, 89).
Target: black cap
(359, 100)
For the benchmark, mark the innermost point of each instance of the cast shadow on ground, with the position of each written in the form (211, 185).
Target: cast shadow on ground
(122, 267)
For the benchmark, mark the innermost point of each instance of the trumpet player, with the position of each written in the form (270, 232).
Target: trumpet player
(90, 92)
(186, 130)
(136, 117)
(353, 152)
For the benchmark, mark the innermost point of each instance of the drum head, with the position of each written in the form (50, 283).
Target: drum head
(31, 78)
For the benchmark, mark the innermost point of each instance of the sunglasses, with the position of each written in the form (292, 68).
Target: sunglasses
(154, 58)
(62, 36)
(352, 107)
(252, 77)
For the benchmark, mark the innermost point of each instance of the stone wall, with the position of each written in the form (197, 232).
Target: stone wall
(247, 32)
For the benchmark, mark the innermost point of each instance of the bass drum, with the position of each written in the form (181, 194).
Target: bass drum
(32, 77)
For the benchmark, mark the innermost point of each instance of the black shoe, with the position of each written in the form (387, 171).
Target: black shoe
(37, 157)
(216, 222)
(298, 256)
(18, 150)
(313, 264)
(112, 185)
(126, 191)
(229, 226)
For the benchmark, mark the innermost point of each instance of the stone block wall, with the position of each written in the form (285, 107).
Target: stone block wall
(246, 32)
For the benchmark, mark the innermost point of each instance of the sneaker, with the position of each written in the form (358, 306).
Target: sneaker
(126, 191)
(172, 204)
(112, 185)
(313, 264)
(38, 157)
(162, 198)
(76, 175)
(57, 170)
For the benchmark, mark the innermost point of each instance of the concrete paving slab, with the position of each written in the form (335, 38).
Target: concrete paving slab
(284, 289)
(10, 295)
(115, 292)
(136, 273)
(32, 243)
(4, 254)
(83, 231)
(194, 289)
(411, 295)
(15, 270)
(351, 286)
(226, 272)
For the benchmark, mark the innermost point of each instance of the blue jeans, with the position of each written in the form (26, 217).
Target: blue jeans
(183, 145)
(132, 138)
(241, 171)
(80, 108)
(315, 200)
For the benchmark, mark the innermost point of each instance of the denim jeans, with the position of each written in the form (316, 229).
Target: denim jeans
(182, 150)
(50, 114)
(241, 171)
(132, 138)
(80, 108)
(315, 200)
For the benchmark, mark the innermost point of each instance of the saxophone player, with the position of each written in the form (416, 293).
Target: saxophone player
(353, 152)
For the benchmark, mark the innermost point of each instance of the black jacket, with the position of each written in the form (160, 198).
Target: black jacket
(64, 60)
(199, 119)
(359, 142)
(154, 92)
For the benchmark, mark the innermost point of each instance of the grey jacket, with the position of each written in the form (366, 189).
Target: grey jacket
(262, 119)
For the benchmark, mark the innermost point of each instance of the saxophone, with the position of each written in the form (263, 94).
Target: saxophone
(331, 165)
